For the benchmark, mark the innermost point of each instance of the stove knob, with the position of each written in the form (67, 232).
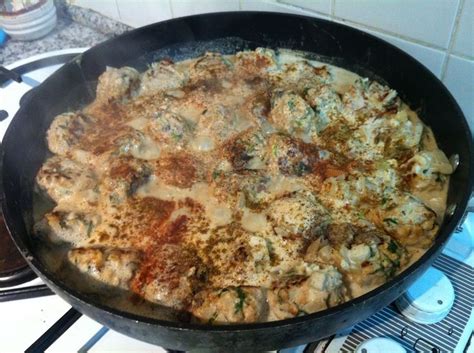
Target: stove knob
(429, 299)
(380, 345)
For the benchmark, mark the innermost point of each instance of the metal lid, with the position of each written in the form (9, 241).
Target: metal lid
(429, 299)
(380, 345)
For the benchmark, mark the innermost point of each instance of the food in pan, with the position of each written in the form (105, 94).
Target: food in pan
(241, 188)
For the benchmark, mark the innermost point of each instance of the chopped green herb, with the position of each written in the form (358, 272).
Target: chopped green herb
(384, 199)
(291, 105)
(175, 136)
(392, 246)
(216, 173)
(239, 306)
(213, 318)
(390, 220)
(227, 62)
(275, 150)
(270, 249)
(89, 229)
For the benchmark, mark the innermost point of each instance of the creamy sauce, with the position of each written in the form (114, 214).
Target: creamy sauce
(218, 184)
(219, 214)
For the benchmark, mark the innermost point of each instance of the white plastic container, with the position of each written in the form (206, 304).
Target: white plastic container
(30, 24)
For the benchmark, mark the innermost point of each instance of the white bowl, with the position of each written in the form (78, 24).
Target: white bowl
(32, 24)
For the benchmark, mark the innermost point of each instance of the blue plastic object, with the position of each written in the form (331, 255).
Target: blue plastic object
(3, 37)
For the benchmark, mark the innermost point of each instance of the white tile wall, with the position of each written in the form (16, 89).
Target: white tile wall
(273, 6)
(439, 33)
(323, 6)
(182, 8)
(464, 41)
(430, 21)
(138, 13)
(460, 81)
(108, 8)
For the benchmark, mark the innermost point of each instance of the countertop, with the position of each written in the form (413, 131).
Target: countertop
(77, 27)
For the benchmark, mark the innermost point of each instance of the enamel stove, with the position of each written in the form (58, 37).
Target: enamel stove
(434, 315)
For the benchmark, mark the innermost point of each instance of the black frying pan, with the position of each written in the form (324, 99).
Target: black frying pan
(74, 85)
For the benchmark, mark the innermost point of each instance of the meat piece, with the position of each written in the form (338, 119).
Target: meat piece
(171, 128)
(255, 63)
(322, 289)
(290, 156)
(407, 219)
(299, 75)
(230, 305)
(111, 266)
(162, 76)
(169, 276)
(137, 144)
(222, 123)
(179, 169)
(290, 113)
(73, 186)
(367, 257)
(326, 103)
(246, 151)
(122, 179)
(117, 84)
(427, 170)
(66, 131)
(209, 67)
(299, 214)
(68, 227)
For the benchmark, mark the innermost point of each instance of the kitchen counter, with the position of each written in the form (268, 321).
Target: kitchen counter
(77, 27)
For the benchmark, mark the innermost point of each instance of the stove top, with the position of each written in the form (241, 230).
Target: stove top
(32, 318)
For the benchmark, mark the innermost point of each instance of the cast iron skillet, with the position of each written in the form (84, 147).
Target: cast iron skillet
(74, 84)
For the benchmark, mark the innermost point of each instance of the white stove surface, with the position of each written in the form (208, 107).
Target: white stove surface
(22, 322)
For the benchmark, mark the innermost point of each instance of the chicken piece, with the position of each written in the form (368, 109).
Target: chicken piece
(290, 156)
(326, 104)
(290, 113)
(246, 151)
(169, 275)
(260, 191)
(66, 131)
(299, 75)
(171, 128)
(111, 266)
(230, 305)
(70, 227)
(73, 186)
(322, 289)
(255, 63)
(162, 76)
(122, 179)
(221, 123)
(209, 69)
(299, 214)
(179, 169)
(117, 84)
(407, 219)
(367, 257)
(427, 170)
(136, 144)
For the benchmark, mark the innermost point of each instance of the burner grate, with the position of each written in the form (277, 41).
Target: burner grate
(440, 337)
